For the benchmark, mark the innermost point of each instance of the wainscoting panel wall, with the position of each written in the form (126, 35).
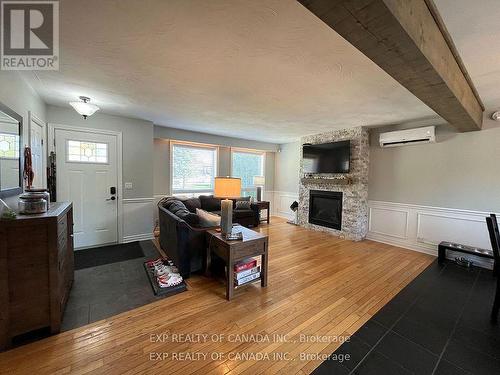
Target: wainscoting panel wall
(280, 203)
(421, 228)
(138, 221)
(389, 222)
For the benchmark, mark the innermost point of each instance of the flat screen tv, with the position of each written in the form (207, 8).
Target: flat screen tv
(327, 157)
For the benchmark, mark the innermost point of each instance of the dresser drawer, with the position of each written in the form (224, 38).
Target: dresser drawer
(62, 245)
(62, 225)
(64, 279)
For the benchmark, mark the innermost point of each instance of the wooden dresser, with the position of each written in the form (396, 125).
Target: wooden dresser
(36, 271)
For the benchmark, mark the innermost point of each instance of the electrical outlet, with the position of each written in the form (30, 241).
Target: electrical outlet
(128, 186)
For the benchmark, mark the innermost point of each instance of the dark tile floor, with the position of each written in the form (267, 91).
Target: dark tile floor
(438, 324)
(103, 291)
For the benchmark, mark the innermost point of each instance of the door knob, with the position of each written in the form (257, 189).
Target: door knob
(111, 199)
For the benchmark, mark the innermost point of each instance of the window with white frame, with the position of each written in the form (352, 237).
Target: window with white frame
(9, 146)
(246, 165)
(194, 168)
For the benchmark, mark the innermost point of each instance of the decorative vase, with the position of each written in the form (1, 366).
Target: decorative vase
(226, 216)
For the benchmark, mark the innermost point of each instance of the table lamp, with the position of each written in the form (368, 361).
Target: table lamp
(227, 187)
(259, 182)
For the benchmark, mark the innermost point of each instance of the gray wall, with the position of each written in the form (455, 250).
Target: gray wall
(461, 171)
(16, 94)
(161, 167)
(137, 145)
(189, 136)
(162, 155)
(19, 96)
(270, 171)
(287, 168)
(224, 168)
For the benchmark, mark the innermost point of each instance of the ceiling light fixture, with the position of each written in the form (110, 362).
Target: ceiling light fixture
(496, 116)
(84, 107)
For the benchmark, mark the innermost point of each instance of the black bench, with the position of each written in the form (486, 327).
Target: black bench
(443, 246)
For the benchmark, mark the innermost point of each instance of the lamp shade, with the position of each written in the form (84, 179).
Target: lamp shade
(84, 108)
(227, 187)
(259, 181)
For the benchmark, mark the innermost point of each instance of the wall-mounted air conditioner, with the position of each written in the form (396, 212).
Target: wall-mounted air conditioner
(408, 137)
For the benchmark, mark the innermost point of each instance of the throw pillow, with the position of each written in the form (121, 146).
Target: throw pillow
(179, 209)
(210, 203)
(192, 204)
(207, 219)
(240, 199)
(243, 205)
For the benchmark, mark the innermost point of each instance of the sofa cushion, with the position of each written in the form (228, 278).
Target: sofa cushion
(179, 209)
(207, 219)
(243, 205)
(165, 202)
(210, 203)
(191, 204)
(237, 214)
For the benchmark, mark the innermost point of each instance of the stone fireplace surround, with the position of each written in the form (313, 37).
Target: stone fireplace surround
(353, 185)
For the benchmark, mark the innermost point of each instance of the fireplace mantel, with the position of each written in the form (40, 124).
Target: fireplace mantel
(327, 180)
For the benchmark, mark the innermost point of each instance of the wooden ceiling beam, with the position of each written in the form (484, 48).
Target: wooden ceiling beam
(408, 40)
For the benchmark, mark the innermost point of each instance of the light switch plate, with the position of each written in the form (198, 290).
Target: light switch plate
(128, 186)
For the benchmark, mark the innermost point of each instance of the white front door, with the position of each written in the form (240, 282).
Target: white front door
(36, 144)
(86, 173)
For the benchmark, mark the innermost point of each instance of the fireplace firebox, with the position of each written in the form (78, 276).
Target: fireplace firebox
(325, 208)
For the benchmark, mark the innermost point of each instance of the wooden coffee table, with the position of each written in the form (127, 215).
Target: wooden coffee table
(253, 244)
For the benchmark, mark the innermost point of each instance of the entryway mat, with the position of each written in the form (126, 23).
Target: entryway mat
(99, 256)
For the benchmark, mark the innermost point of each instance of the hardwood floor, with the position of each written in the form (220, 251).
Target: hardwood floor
(319, 285)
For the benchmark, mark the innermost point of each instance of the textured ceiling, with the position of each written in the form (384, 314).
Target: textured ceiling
(475, 29)
(262, 69)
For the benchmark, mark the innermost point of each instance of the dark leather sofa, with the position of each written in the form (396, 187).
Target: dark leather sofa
(181, 236)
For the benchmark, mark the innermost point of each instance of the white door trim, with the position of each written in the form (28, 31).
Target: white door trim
(119, 159)
(34, 118)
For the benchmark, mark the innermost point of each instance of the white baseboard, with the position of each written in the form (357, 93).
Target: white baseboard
(431, 250)
(421, 228)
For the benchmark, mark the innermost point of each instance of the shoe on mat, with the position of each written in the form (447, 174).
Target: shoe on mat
(169, 280)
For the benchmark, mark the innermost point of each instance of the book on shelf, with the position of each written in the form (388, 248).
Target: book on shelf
(247, 279)
(245, 273)
(245, 265)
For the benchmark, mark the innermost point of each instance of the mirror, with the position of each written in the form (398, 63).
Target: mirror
(10, 152)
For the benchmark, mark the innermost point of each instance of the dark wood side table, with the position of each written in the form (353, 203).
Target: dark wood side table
(253, 244)
(264, 205)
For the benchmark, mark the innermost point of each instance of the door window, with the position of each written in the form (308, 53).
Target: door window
(87, 152)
